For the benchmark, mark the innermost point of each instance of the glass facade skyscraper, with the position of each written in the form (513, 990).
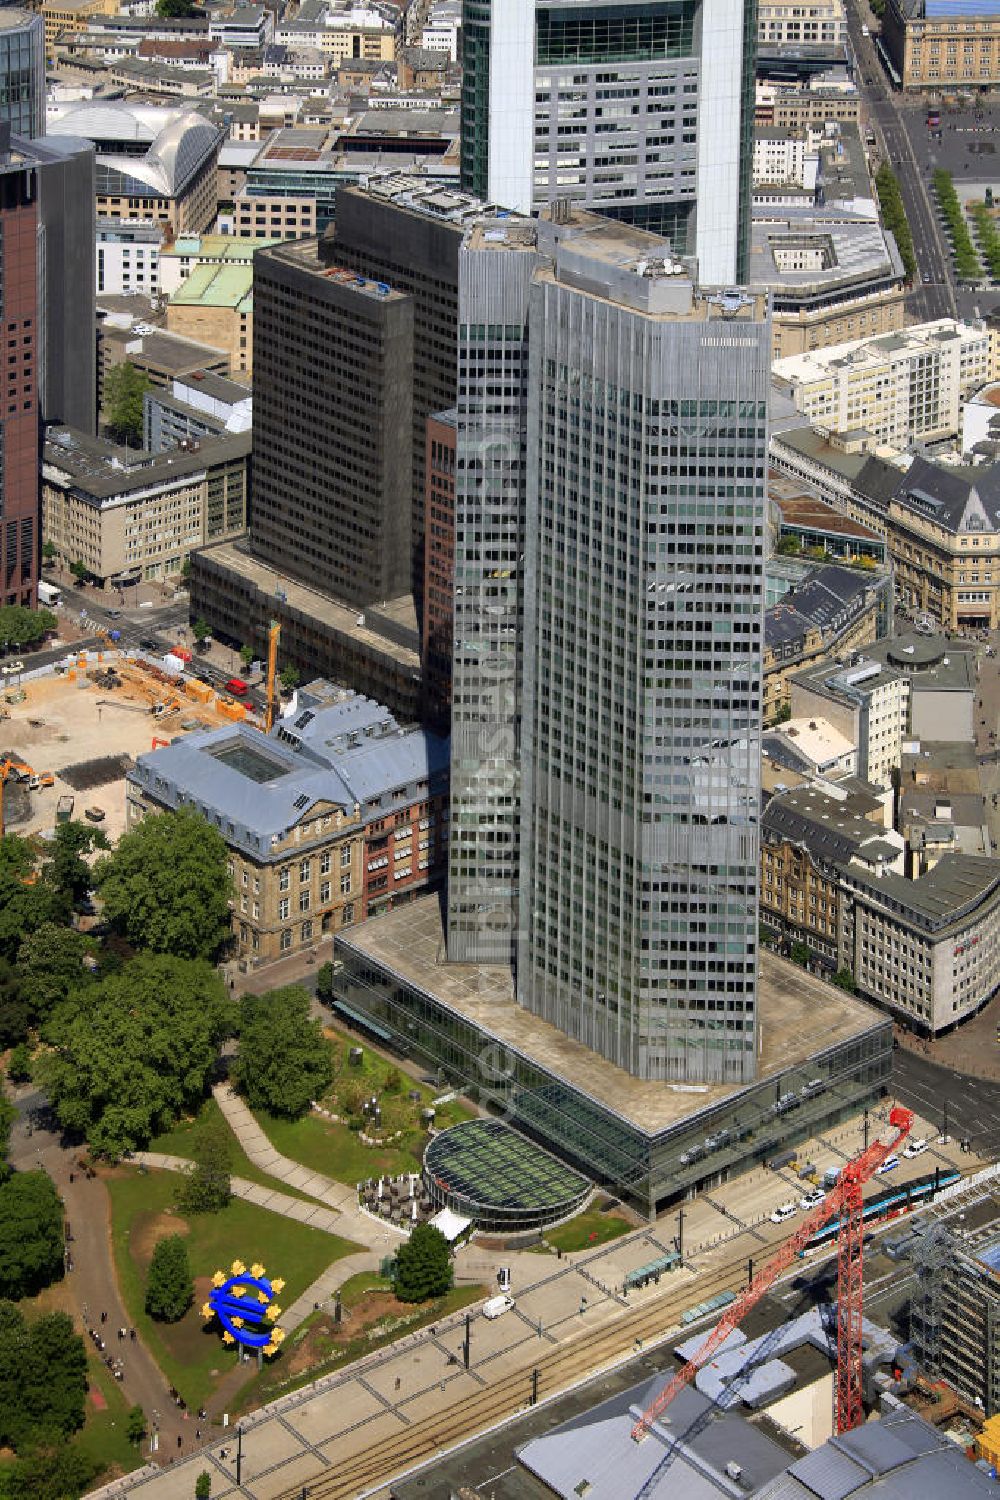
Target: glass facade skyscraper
(22, 71)
(610, 504)
(641, 110)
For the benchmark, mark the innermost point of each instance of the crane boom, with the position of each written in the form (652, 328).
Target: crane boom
(846, 1198)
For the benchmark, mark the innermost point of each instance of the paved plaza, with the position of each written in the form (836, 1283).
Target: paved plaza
(305, 1435)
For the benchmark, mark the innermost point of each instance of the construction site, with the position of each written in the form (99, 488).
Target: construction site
(68, 737)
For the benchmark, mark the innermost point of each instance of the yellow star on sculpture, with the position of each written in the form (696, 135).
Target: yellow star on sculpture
(277, 1286)
(227, 1337)
(270, 1349)
(238, 1268)
(277, 1334)
(218, 1279)
(262, 1298)
(274, 1311)
(206, 1310)
(257, 1270)
(238, 1291)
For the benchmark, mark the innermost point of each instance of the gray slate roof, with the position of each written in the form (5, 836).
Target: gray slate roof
(957, 499)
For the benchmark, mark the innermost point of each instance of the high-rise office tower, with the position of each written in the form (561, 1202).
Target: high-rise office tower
(610, 505)
(400, 229)
(22, 71)
(642, 111)
(19, 303)
(331, 418)
(67, 377)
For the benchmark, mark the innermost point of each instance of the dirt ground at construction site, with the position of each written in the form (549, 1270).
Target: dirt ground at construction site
(86, 735)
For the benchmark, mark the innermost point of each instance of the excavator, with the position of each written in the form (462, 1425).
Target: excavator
(21, 772)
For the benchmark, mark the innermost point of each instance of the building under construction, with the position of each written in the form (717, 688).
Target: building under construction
(955, 1310)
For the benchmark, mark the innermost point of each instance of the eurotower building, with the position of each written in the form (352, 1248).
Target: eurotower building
(641, 110)
(610, 507)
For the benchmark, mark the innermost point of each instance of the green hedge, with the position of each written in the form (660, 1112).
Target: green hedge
(894, 217)
(967, 266)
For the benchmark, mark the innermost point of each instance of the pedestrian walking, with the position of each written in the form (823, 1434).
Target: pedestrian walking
(398, 1382)
(104, 1317)
(180, 1441)
(131, 1334)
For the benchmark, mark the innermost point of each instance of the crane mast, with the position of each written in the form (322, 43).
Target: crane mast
(846, 1200)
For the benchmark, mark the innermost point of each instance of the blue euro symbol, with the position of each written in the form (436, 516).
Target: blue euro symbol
(251, 1309)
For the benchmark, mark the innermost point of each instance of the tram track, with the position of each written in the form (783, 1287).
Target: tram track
(558, 1369)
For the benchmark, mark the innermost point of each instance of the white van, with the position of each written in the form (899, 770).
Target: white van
(887, 1166)
(916, 1147)
(783, 1212)
(495, 1307)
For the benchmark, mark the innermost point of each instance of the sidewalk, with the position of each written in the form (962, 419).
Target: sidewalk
(314, 1215)
(353, 1224)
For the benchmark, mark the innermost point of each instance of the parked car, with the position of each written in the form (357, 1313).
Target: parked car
(812, 1199)
(237, 687)
(889, 1165)
(148, 644)
(784, 1211)
(916, 1147)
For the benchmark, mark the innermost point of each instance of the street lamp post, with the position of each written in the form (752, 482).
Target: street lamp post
(239, 1453)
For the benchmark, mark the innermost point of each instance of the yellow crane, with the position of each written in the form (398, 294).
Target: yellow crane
(271, 709)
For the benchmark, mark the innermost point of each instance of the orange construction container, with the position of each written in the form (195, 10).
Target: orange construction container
(199, 691)
(235, 711)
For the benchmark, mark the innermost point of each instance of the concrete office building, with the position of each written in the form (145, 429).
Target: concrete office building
(65, 168)
(407, 232)
(439, 565)
(331, 500)
(642, 111)
(938, 44)
(19, 308)
(22, 71)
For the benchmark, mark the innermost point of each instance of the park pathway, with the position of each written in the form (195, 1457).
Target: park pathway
(312, 1214)
(354, 1223)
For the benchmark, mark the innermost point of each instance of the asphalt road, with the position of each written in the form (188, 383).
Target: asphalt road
(972, 1104)
(935, 299)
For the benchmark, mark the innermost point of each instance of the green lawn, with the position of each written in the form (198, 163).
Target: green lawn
(191, 1357)
(104, 1435)
(335, 1150)
(586, 1230)
(177, 1142)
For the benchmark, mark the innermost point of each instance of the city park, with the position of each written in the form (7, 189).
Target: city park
(183, 1136)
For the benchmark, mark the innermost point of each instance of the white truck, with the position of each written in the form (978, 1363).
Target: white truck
(495, 1307)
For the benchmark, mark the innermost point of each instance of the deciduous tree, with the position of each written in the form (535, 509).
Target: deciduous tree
(24, 907)
(25, 627)
(208, 1187)
(140, 1054)
(166, 888)
(31, 1234)
(285, 1061)
(67, 869)
(52, 968)
(124, 388)
(169, 1288)
(423, 1265)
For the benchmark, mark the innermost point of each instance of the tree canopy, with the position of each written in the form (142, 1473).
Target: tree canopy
(176, 10)
(140, 1054)
(43, 1378)
(166, 886)
(67, 869)
(8, 1114)
(169, 1288)
(24, 627)
(52, 970)
(31, 1234)
(285, 1061)
(124, 388)
(24, 907)
(423, 1265)
(208, 1187)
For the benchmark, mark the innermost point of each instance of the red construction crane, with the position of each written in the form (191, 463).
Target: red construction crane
(844, 1199)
